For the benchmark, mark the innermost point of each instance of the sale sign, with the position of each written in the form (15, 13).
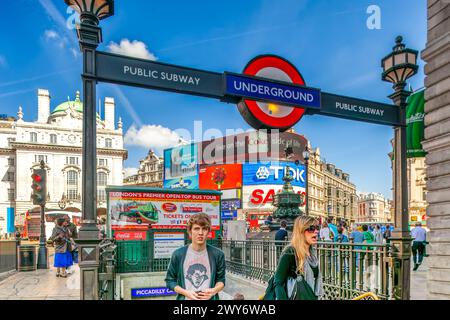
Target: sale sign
(261, 197)
(221, 177)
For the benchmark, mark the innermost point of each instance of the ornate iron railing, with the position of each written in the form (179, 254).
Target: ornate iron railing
(348, 270)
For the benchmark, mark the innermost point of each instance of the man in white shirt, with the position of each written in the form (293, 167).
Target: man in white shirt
(420, 237)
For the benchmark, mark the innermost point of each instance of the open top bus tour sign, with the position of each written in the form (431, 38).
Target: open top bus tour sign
(270, 94)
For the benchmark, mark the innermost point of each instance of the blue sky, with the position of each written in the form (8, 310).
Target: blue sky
(328, 41)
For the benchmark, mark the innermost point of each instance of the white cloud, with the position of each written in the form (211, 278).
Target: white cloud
(51, 34)
(127, 172)
(152, 137)
(135, 48)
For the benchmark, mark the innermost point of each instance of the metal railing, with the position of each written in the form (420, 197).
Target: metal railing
(8, 256)
(348, 270)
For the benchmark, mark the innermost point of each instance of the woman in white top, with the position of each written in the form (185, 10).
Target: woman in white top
(325, 232)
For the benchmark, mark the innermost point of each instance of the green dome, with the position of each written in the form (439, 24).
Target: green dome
(77, 105)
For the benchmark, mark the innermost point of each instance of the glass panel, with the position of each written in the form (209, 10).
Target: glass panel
(388, 63)
(412, 58)
(400, 58)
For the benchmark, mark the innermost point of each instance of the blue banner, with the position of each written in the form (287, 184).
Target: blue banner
(10, 220)
(272, 173)
(181, 167)
(247, 87)
(229, 215)
(151, 292)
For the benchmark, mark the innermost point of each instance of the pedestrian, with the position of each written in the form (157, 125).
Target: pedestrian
(368, 236)
(197, 270)
(282, 234)
(341, 237)
(332, 227)
(345, 229)
(60, 238)
(297, 276)
(420, 237)
(73, 233)
(378, 234)
(387, 234)
(358, 237)
(324, 234)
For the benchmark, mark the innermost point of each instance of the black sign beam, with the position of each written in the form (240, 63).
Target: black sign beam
(148, 74)
(357, 109)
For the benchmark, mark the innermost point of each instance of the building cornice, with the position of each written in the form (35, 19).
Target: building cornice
(58, 128)
(46, 147)
(6, 151)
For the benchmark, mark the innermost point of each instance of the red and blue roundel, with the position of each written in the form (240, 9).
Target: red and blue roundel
(263, 115)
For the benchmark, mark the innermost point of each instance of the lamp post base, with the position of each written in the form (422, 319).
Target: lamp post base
(42, 260)
(401, 265)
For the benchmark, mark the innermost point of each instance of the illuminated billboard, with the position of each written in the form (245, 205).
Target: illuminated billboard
(220, 177)
(181, 167)
(272, 173)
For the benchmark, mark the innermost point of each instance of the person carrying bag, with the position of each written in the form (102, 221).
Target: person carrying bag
(297, 276)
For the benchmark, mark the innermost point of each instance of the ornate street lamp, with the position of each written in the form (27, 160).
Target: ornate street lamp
(399, 66)
(306, 157)
(89, 36)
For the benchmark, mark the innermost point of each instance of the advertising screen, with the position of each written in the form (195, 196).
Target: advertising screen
(181, 167)
(220, 177)
(160, 210)
(272, 173)
(261, 197)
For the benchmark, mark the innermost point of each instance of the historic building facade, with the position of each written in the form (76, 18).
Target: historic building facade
(150, 173)
(373, 207)
(316, 186)
(340, 194)
(437, 144)
(55, 138)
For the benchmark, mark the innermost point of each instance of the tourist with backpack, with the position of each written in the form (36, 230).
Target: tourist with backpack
(297, 276)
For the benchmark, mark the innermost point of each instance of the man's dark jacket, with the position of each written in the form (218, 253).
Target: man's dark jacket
(175, 272)
(281, 235)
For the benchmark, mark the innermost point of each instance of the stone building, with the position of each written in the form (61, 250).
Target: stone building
(373, 207)
(437, 144)
(340, 194)
(150, 173)
(316, 186)
(56, 138)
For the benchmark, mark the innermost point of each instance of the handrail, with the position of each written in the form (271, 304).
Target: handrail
(367, 294)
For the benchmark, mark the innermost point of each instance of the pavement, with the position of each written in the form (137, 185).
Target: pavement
(419, 281)
(41, 285)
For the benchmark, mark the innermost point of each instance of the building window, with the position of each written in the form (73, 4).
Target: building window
(72, 185)
(53, 139)
(424, 195)
(11, 194)
(103, 162)
(11, 140)
(33, 137)
(72, 160)
(108, 143)
(10, 176)
(39, 157)
(102, 179)
(11, 162)
(101, 195)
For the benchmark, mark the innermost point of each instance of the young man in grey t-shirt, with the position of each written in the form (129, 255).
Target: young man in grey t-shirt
(202, 266)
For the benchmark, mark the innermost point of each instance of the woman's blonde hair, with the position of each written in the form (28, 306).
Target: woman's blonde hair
(298, 241)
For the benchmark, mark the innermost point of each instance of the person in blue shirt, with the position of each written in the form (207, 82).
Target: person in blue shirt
(333, 228)
(340, 237)
(358, 237)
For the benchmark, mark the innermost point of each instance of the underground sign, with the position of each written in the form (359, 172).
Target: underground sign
(264, 115)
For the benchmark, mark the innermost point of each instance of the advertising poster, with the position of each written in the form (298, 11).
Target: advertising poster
(272, 173)
(181, 167)
(160, 210)
(261, 197)
(220, 177)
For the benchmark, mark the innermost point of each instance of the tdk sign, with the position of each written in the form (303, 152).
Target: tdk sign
(272, 173)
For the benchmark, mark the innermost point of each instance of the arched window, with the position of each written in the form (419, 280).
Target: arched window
(72, 185)
(102, 181)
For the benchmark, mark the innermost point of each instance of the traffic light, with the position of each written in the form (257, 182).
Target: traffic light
(39, 187)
